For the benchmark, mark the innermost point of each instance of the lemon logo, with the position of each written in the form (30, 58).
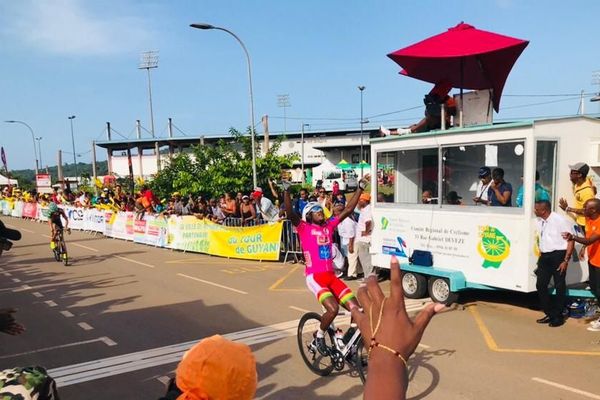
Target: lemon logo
(384, 223)
(494, 247)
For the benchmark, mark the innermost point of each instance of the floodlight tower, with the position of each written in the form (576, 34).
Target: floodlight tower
(149, 60)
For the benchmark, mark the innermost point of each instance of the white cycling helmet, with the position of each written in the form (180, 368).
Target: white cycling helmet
(310, 207)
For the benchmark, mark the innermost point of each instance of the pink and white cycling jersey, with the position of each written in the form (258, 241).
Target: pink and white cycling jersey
(316, 241)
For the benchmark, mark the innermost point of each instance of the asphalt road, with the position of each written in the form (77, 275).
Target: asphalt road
(114, 324)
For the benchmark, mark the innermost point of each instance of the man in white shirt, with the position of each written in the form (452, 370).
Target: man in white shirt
(555, 253)
(485, 180)
(347, 231)
(364, 227)
(265, 207)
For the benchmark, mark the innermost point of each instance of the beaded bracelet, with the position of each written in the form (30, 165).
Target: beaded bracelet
(374, 342)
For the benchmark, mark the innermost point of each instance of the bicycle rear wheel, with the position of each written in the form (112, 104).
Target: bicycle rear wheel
(307, 329)
(361, 361)
(63, 253)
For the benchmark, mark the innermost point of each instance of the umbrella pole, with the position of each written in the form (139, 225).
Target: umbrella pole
(460, 112)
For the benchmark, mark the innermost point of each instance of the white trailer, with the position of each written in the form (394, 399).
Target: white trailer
(474, 246)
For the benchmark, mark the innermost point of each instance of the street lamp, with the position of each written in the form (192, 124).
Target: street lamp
(302, 144)
(32, 138)
(361, 88)
(39, 140)
(71, 118)
(208, 26)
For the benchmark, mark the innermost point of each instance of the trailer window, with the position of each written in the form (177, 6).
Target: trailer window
(386, 177)
(417, 176)
(461, 166)
(545, 174)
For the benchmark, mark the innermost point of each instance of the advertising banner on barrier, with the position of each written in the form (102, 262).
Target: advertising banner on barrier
(6, 207)
(17, 210)
(260, 242)
(151, 230)
(76, 218)
(30, 210)
(119, 225)
(94, 220)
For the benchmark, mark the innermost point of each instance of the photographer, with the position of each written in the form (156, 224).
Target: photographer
(7, 320)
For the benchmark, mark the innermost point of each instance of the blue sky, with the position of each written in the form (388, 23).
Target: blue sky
(76, 57)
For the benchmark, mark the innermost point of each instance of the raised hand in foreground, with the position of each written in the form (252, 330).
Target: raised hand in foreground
(389, 335)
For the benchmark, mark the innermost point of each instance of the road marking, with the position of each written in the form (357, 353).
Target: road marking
(7, 274)
(22, 288)
(302, 310)
(567, 388)
(85, 247)
(92, 370)
(164, 380)
(135, 262)
(37, 294)
(67, 314)
(16, 280)
(47, 236)
(51, 303)
(491, 343)
(275, 287)
(104, 340)
(85, 326)
(213, 284)
(27, 230)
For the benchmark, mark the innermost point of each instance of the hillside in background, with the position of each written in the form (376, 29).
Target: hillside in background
(26, 176)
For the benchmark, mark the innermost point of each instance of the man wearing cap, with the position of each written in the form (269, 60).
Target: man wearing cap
(364, 227)
(583, 190)
(485, 180)
(453, 198)
(264, 206)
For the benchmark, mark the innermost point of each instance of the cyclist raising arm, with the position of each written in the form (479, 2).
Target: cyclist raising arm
(54, 219)
(316, 237)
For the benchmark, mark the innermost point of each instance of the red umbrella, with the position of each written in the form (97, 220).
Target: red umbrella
(463, 57)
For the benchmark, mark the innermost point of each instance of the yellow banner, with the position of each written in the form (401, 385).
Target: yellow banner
(260, 242)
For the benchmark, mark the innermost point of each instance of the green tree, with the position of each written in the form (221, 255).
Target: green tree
(224, 167)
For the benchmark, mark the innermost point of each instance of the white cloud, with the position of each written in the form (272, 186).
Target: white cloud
(67, 27)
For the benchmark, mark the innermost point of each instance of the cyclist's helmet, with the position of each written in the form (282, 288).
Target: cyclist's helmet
(310, 207)
(52, 208)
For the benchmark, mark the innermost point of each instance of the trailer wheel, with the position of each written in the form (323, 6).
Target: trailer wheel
(414, 285)
(439, 291)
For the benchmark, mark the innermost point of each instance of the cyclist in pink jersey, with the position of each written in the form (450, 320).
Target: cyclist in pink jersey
(316, 237)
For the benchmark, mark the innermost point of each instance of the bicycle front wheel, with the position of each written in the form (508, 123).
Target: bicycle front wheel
(361, 361)
(307, 329)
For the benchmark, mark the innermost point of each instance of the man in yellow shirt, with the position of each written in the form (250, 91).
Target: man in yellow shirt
(583, 190)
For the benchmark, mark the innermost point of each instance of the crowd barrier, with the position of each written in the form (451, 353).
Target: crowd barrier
(261, 241)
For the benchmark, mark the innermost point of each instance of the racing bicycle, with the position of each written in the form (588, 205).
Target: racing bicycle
(60, 250)
(343, 351)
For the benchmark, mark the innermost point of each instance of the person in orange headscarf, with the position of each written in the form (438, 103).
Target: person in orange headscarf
(215, 369)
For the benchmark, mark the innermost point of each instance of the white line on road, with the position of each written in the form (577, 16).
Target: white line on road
(51, 303)
(47, 236)
(37, 294)
(164, 380)
(16, 280)
(134, 261)
(213, 284)
(567, 388)
(7, 274)
(85, 247)
(104, 340)
(299, 309)
(67, 314)
(85, 326)
(27, 230)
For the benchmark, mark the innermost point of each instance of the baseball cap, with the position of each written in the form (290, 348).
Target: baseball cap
(244, 197)
(580, 167)
(484, 171)
(452, 195)
(10, 234)
(256, 194)
(216, 368)
(365, 197)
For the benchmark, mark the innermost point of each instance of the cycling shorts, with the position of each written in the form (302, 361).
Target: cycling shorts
(326, 284)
